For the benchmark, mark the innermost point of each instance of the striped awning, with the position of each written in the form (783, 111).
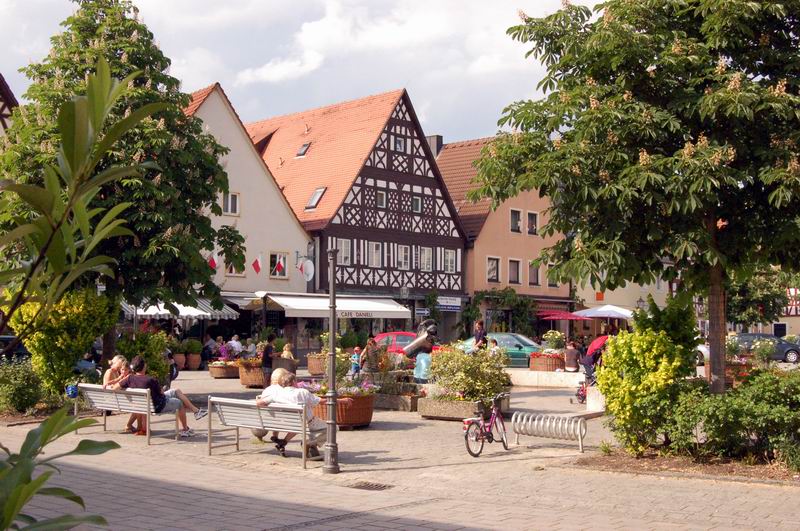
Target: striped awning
(201, 310)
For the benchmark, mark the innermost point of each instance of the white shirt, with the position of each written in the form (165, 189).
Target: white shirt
(275, 394)
(235, 345)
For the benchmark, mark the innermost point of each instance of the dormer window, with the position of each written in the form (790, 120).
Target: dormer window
(303, 149)
(315, 198)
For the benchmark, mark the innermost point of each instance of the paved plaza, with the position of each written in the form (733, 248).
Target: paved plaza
(426, 477)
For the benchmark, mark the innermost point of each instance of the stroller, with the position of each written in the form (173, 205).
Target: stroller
(590, 361)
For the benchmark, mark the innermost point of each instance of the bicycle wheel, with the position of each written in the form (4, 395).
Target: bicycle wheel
(501, 431)
(473, 438)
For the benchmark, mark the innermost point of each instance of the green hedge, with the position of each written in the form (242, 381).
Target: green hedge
(20, 388)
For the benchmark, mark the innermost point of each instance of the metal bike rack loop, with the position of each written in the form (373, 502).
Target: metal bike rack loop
(549, 426)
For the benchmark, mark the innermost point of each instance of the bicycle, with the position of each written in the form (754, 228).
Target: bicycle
(477, 431)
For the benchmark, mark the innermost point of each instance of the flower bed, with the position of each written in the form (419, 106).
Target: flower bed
(736, 371)
(349, 414)
(547, 361)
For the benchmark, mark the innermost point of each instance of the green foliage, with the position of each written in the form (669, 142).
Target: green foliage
(606, 448)
(760, 298)
(555, 339)
(763, 349)
(20, 388)
(760, 417)
(523, 310)
(732, 347)
(54, 234)
(192, 346)
(431, 302)
(169, 204)
(638, 379)
(792, 338)
(666, 141)
(324, 340)
(72, 325)
(677, 320)
(23, 475)
(476, 376)
(349, 339)
(280, 342)
(152, 347)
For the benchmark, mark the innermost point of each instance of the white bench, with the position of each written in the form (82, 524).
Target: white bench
(237, 414)
(122, 401)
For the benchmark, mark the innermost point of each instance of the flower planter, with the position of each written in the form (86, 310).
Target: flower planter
(180, 360)
(546, 364)
(193, 361)
(252, 376)
(735, 373)
(432, 408)
(396, 402)
(357, 413)
(224, 371)
(281, 363)
(316, 366)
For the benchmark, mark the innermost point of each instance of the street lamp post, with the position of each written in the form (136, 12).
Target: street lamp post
(331, 448)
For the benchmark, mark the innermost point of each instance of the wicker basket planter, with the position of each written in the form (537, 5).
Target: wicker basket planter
(224, 371)
(546, 364)
(357, 413)
(316, 365)
(282, 363)
(252, 376)
(180, 360)
(193, 361)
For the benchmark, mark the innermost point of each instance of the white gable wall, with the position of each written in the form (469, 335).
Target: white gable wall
(265, 220)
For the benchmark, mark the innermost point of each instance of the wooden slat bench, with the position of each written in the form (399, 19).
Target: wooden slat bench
(237, 414)
(122, 401)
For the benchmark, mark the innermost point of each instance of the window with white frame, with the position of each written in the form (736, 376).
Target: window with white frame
(231, 271)
(449, 261)
(426, 259)
(513, 271)
(533, 274)
(345, 256)
(278, 265)
(492, 269)
(416, 204)
(400, 144)
(380, 199)
(533, 223)
(403, 257)
(516, 220)
(375, 254)
(230, 203)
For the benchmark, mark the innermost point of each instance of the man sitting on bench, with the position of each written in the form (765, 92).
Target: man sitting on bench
(283, 391)
(163, 402)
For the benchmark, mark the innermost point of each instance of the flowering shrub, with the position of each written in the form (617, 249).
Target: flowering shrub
(224, 363)
(462, 376)
(343, 389)
(249, 362)
(732, 348)
(549, 353)
(763, 349)
(554, 339)
(225, 352)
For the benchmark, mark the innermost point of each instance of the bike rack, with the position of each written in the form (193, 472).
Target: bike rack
(549, 426)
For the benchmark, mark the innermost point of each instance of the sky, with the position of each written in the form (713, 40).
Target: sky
(275, 57)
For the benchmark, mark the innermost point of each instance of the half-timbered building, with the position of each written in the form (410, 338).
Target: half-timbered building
(361, 177)
(7, 104)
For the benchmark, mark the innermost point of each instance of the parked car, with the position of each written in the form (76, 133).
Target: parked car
(784, 351)
(395, 341)
(19, 351)
(517, 347)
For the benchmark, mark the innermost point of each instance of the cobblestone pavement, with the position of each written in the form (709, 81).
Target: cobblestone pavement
(430, 482)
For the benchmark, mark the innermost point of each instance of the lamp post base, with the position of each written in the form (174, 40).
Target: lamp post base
(331, 459)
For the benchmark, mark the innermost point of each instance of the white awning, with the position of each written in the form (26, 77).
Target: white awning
(202, 310)
(347, 306)
(607, 311)
(245, 300)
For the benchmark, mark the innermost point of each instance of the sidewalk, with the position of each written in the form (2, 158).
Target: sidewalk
(430, 482)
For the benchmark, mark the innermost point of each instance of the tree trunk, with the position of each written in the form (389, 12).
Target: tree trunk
(109, 344)
(716, 328)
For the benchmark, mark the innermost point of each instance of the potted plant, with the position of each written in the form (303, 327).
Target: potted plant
(352, 413)
(737, 365)
(465, 383)
(223, 369)
(178, 353)
(554, 339)
(251, 374)
(549, 360)
(193, 358)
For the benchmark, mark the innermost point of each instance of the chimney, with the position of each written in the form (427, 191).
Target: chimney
(435, 142)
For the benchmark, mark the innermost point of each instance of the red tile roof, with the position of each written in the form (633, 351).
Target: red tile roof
(198, 97)
(341, 136)
(455, 163)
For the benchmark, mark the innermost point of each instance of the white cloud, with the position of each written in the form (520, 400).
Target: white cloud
(278, 70)
(198, 67)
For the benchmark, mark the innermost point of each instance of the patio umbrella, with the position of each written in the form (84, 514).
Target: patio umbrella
(608, 311)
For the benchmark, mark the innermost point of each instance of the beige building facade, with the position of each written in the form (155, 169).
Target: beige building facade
(255, 205)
